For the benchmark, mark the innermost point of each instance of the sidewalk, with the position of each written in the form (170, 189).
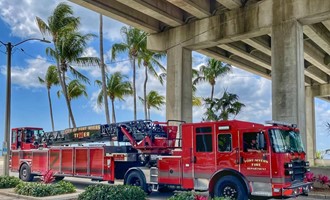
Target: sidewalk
(8, 194)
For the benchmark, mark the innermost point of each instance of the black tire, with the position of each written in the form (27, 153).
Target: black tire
(231, 187)
(25, 173)
(59, 178)
(135, 178)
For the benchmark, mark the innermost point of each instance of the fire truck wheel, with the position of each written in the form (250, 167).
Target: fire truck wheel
(231, 187)
(59, 178)
(136, 179)
(25, 173)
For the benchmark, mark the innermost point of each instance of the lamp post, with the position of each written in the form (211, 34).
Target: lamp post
(6, 144)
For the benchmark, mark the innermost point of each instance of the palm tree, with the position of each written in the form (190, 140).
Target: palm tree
(68, 46)
(117, 88)
(220, 109)
(103, 66)
(196, 101)
(51, 78)
(132, 44)
(149, 60)
(153, 100)
(211, 72)
(75, 90)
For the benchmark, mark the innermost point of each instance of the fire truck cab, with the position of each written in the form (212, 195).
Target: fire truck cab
(227, 158)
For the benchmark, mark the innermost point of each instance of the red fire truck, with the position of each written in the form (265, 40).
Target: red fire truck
(227, 158)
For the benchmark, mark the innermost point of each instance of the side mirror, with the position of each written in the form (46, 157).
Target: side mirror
(260, 141)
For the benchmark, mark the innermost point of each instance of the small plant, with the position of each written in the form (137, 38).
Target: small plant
(8, 181)
(319, 155)
(324, 180)
(113, 192)
(48, 177)
(310, 177)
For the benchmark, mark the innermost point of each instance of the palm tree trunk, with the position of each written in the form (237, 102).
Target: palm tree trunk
(212, 92)
(148, 113)
(50, 109)
(68, 103)
(134, 89)
(63, 85)
(105, 98)
(113, 110)
(69, 120)
(145, 92)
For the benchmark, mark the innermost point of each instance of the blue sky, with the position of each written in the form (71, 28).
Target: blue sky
(29, 98)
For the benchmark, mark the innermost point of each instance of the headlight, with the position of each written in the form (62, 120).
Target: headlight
(288, 172)
(288, 165)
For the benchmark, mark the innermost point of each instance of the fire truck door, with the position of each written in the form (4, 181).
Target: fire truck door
(255, 160)
(203, 155)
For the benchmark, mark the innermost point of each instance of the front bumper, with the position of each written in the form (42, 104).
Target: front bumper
(297, 189)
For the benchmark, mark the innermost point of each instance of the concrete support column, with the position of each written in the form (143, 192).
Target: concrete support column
(179, 84)
(288, 87)
(310, 125)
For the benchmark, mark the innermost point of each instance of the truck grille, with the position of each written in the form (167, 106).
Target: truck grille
(298, 170)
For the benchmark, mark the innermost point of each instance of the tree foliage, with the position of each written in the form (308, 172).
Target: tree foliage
(221, 109)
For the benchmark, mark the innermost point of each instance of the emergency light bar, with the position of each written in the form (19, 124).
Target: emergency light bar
(273, 122)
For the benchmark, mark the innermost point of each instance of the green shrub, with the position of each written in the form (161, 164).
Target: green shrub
(183, 196)
(113, 192)
(8, 181)
(193, 196)
(41, 189)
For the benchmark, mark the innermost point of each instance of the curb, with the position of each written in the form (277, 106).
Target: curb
(10, 192)
(319, 195)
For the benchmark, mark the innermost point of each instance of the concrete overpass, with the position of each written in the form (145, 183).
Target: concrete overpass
(287, 41)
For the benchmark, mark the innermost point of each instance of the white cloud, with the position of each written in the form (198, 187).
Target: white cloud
(20, 16)
(93, 102)
(27, 77)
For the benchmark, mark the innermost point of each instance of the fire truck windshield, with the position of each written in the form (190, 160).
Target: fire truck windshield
(286, 141)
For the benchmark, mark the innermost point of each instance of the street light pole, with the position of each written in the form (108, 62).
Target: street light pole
(6, 142)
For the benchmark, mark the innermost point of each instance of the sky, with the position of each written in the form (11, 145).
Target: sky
(29, 104)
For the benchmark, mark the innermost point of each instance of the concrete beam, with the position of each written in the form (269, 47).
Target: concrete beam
(320, 35)
(322, 90)
(311, 54)
(122, 13)
(238, 24)
(160, 10)
(231, 48)
(233, 60)
(230, 4)
(231, 26)
(197, 8)
(261, 46)
(326, 24)
(315, 74)
(315, 57)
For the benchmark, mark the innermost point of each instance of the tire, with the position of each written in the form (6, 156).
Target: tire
(59, 178)
(231, 187)
(25, 173)
(135, 178)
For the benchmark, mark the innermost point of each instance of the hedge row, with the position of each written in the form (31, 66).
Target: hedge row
(9, 181)
(42, 189)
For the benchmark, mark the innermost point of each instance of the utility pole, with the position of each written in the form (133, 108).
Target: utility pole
(6, 143)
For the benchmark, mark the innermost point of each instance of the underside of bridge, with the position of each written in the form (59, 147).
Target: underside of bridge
(287, 41)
